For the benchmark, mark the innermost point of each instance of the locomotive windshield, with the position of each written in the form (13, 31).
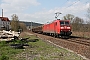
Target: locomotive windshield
(64, 23)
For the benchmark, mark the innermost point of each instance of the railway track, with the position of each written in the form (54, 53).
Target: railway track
(80, 41)
(74, 39)
(79, 45)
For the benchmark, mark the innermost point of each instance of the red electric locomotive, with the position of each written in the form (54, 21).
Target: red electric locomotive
(58, 28)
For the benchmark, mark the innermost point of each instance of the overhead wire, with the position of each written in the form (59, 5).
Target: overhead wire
(70, 4)
(87, 1)
(73, 3)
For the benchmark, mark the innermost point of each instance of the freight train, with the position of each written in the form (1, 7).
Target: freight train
(56, 28)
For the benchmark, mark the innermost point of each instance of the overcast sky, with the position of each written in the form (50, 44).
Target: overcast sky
(43, 11)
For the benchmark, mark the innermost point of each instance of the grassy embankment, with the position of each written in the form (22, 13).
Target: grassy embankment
(81, 34)
(38, 50)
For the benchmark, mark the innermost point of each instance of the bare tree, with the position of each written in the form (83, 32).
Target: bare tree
(88, 21)
(14, 22)
(88, 12)
(77, 24)
(23, 26)
(68, 17)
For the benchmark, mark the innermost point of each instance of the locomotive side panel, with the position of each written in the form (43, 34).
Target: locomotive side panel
(52, 28)
(57, 27)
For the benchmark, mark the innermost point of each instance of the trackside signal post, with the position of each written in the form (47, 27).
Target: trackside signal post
(31, 26)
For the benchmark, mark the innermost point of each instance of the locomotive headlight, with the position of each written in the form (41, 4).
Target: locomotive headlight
(68, 27)
(62, 27)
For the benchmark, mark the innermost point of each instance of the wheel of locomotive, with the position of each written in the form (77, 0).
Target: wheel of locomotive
(62, 37)
(48, 34)
(52, 34)
(43, 33)
(55, 35)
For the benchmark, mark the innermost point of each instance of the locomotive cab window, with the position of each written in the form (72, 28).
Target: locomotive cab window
(64, 23)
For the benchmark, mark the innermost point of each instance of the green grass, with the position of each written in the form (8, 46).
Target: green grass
(6, 52)
(45, 51)
(39, 50)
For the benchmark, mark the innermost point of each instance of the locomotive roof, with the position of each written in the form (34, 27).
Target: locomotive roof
(57, 21)
(60, 20)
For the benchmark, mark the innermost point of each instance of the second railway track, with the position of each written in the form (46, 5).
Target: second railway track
(80, 41)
